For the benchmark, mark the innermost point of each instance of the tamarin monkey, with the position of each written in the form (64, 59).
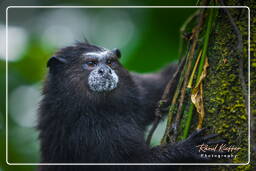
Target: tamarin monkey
(95, 111)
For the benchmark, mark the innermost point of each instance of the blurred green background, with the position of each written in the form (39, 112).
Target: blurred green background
(148, 39)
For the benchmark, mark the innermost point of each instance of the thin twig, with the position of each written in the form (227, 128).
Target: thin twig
(200, 68)
(194, 70)
(167, 95)
(190, 58)
(239, 51)
(182, 30)
(173, 105)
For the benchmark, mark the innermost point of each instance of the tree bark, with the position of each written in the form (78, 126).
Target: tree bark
(225, 87)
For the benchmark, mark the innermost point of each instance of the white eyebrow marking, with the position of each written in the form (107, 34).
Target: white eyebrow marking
(100, 55)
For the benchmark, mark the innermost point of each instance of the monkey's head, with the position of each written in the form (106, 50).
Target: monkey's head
(87, 68)
(101, 66)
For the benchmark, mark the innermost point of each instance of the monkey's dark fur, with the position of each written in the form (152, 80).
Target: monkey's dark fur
(78, 125)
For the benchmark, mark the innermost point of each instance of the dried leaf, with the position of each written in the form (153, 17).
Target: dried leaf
(197, 96)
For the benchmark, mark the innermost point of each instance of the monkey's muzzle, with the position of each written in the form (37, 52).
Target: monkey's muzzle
(103, 78)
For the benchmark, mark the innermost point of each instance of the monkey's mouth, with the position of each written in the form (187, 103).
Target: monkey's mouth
(102, 83)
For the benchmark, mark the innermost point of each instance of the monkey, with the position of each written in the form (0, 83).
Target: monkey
(94, 110)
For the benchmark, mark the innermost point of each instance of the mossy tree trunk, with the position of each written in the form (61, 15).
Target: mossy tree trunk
(253, 83)
(225, 86)
(224, 98)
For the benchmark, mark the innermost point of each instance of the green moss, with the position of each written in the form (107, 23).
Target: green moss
(223, 97)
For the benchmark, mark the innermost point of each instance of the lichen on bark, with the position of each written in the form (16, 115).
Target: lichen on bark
(223, 95)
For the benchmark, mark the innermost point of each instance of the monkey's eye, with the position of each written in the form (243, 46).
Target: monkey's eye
(109, 62)
(91, 63)
(112, 63)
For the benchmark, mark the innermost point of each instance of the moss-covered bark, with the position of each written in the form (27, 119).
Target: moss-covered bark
(223, 95)
(253, 83)
(223, 98)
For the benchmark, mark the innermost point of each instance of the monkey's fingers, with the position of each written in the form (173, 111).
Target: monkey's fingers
(216, 142)
(198, 133)
(208, 137)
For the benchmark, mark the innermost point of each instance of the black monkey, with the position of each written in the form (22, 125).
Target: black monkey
(95, 111)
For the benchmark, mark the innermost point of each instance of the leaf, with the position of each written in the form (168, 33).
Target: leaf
(197, 96)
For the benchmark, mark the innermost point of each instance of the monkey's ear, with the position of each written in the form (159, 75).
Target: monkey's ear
(117, 52)
(55, 60)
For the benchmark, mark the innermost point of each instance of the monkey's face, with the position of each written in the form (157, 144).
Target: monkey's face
(87, 69)
(101, 67)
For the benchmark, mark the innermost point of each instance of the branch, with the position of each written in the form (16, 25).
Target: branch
(190, 58)
(166, 97)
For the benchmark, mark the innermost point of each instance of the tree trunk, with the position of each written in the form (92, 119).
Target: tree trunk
(224, 90)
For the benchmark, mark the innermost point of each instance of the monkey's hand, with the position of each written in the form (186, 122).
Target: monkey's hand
(195, 148)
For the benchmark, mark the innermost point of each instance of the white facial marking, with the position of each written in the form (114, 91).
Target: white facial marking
(101, 83)
(99, 55)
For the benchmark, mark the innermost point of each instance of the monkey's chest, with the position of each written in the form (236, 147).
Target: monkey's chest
(107, 142)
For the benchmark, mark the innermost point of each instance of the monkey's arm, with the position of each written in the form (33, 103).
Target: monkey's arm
(154, 83)
(152, 86)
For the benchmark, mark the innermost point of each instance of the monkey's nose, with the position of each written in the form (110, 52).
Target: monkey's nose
(101, 71)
